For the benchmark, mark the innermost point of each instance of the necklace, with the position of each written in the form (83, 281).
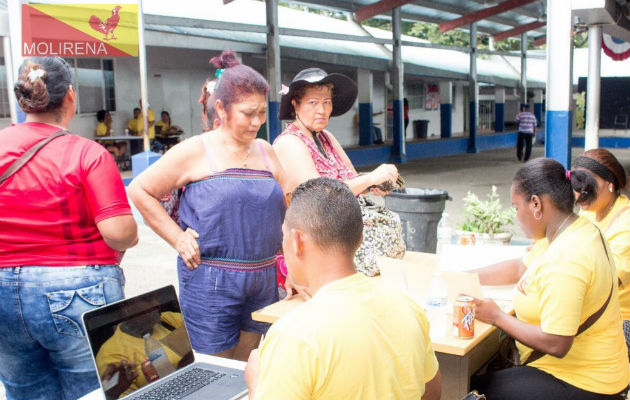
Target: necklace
(249, 150)
(559, 228)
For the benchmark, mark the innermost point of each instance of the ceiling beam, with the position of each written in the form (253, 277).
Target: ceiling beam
(483, 14)
(518, 30)
(540, 40)
(380, 7)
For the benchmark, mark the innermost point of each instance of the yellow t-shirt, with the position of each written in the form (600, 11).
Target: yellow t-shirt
(354, 339)
(164, 127)
(151, 118)
(616, 230)
(101, 129)
(132, 125)
(566, 282)
(124, 346)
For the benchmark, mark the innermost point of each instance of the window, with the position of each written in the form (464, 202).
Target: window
(416, 95)
(94, 84)
(5, 112)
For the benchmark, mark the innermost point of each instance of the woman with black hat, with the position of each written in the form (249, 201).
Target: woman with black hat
(305, 149)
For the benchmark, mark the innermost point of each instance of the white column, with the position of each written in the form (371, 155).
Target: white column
(523, 68)
(593, 87)
(366, 124)
(142, 60)
(559, 81)
(14, 44)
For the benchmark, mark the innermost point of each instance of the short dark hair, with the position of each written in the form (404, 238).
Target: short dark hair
(327, 210)
(524, 106)
(136, 109)
(100, 115)
(44, 90)
(545, 176)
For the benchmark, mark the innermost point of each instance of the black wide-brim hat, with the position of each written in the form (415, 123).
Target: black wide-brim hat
(344, 91)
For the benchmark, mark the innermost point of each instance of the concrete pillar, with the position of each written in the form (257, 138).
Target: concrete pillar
(366, 125)
(399, 153)
(473, 96)
(523, 68)
(499, 108)
(558, 122)
(593, 87)
(446, 109)
(538, 106)
(274, 127)
(14, 8)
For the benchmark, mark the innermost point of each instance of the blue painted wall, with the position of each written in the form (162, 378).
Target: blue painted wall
(398, 152)
(472, 128)
(558, 137)
(366, 126)
(446, 120)
(274, 124)
(430, 148)
(499, 117)
(538, 112)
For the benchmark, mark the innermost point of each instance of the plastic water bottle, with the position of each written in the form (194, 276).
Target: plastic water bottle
(444, 233)
(157, 356)
(436, 303)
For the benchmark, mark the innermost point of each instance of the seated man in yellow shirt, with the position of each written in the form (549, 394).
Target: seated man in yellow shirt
(132, 125)
(104, 128)
(354, 339)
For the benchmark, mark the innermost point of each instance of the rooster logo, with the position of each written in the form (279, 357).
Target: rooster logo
(108, 26)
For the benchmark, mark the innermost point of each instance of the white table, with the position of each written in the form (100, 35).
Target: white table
(223, 362)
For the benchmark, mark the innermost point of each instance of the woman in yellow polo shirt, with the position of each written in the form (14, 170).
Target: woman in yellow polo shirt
(597, 179)
(565, 279)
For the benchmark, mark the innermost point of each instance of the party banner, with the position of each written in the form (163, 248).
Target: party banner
(80, 30)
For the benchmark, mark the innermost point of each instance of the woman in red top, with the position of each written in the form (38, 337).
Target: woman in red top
(64, 221)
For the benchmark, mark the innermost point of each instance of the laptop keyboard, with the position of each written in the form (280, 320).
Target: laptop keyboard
(182, 384)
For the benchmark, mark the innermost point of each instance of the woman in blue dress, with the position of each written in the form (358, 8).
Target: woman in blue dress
(231, 213)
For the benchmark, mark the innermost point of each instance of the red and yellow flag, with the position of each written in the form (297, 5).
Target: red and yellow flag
(80, 30)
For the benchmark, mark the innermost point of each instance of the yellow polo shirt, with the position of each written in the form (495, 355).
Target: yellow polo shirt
(566, 282)
(354, 339)
(164, 127)
(616, 230)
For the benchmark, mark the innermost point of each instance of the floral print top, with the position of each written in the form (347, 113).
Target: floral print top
(328, 164)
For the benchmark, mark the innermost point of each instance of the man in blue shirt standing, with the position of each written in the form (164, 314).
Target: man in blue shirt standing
(526, 131)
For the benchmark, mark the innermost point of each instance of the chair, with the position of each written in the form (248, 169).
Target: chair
(621, 121)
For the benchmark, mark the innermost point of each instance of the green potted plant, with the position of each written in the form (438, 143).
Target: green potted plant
(486, 219)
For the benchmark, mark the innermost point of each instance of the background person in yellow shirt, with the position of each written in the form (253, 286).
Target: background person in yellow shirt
(566, 278)
(354, 339)
(104, 128)
(134, 130)
(597, 179)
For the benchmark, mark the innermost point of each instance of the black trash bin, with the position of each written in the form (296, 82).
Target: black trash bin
(420, 211)
(420, 128)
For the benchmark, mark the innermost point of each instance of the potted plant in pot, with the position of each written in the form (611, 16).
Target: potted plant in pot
(486, 219)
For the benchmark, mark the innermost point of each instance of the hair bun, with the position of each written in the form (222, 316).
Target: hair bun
(227, 59)
(30, 89)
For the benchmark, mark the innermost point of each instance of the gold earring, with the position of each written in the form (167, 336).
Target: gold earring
(538, 216)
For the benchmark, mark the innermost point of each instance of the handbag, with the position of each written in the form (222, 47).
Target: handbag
(382, 236)
(170, 202)
(28, 154)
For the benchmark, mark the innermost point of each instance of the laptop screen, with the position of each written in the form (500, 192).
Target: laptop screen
(137, 341)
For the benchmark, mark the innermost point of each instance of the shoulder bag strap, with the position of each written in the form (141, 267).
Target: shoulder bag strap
(535, 355)
(28, 154)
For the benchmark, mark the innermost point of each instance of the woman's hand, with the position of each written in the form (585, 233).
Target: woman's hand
(487, 311)
(384, 172)
(188, 248)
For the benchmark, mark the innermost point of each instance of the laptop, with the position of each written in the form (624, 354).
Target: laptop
(153, 323)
